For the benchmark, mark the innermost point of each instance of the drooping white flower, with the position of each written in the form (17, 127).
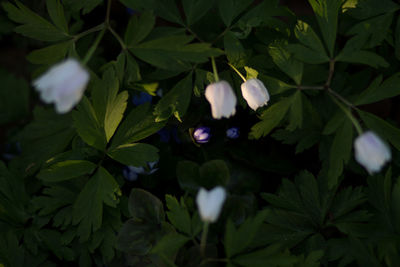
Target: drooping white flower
(210, 203)
(371, 152)
(222, 99)
(255, 93)
(63, 84)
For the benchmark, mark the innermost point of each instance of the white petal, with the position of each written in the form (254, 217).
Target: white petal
(210, 203)
(222, 99)
(255, 93)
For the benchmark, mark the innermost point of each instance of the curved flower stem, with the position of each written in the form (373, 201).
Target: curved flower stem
(237, 71)
(203, 241)
(214, 69)
(348, 113)
(91, 50)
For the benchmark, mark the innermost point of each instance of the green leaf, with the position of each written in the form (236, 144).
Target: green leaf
(108, 104)
(50, 54)
(34, 26)
(56, 12)
(250, 73)
(274, 85)
(195, 10)
(188, 174)
(213, 173)
(132, 73)
(270, 118)
(178, 215)
(370, 8)
(86, 6)
(230, 9)
(378, 91)
(234, 50)
(168, 246)
(374, 30)
(88, 126)
(53, 200)
(139, 27)
(237, 240)
(145, 206)
(340, 152)
(272, 256)
(382, 128)
(326, 12)
(175, 101)
(138, 124)
(296, 111)
(14, 98)
(66, 170)
(88, 207)
(136, 154)
(283, 59)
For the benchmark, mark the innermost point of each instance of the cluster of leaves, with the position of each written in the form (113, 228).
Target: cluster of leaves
(63, 199)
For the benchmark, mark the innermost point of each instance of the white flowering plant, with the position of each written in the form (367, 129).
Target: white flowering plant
(199, 133)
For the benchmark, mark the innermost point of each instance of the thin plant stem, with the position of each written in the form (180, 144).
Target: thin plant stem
(194, 34)
(93, 48)
(341, 98)
(107, 19)
(237, 71)
(119, 39)
(302, 87)
(331, 72)
(203, 241)
(348, 113)
(214, 69)
(91, 30)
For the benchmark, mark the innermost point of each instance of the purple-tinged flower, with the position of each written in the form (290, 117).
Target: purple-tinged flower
(222, 99)
(371, 152)
(232, 133)
(202, 135)
(141, 98)
(131, 173)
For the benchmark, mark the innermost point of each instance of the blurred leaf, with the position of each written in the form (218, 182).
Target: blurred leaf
(66, 170)
(175, 101)
(283, 59)
(178, 215)
(139, 27)
(326, 12)
(382, 128)
(296, 111)
(370, 8)
(214, 173)
(195, 10)
(56, 12)
(145, 206)
(188, 175)
(274, 85)
(50, 54)
(270, 118)
(237, 240)
(167, 247)
(34, 26)
(136, 154)
(234, 50)
(132, 72)
(88, 207)
(53, 200)
(272, 256)
(230, 9)
(313, 259)
(379, 90)
(14, 98)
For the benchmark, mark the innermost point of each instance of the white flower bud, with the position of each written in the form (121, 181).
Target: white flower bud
(222, 99)
(63, 84)
(210, 203)
(371, 152)
(255, 93)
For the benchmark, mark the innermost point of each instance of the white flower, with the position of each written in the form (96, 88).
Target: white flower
(255, 93)
(210, 203)
(63, 84)
(222, 99)
(371, 152)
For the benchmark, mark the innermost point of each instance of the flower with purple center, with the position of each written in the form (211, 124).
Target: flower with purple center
(202, 135)
(232, 133)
